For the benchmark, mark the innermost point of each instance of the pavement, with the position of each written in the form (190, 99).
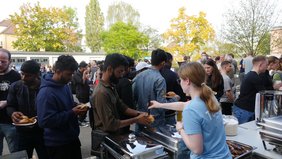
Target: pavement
(85, 139)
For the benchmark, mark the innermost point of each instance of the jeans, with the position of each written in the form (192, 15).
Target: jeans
(170, 120)
(242, 115)
(183, 150)
(9, 132)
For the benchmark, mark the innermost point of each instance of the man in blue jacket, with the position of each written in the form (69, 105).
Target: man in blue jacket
(57, 112)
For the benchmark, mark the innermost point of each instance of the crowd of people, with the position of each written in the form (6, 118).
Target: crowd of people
(119, 92)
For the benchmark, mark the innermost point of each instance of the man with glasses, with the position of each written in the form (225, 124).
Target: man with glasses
(7, 77)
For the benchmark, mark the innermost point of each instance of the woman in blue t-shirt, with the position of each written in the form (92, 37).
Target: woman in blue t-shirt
(202, 128)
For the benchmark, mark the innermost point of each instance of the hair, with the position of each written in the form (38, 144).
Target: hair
(7, 52)
(30, 66)
(169, 56)
(82, 64)
(217, 58)
(114, 60)
(223, 63)
(65, 62)
(130, 61)
(195, 72)
(215, 76)
(158, 56)
(272, 59)
(258, 59)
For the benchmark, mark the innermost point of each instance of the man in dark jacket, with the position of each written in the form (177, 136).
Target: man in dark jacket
(57, 112)
(21, 101)
(82, 90)
(172, 85)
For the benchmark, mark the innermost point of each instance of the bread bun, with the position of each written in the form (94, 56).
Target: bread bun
(26, 120)
(170, 94)
(151, 118)
(83, 107)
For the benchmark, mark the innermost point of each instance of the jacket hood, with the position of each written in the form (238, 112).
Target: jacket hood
(48, 81)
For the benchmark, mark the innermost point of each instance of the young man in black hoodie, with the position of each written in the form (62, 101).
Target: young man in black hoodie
(21, 102)
(57, 112)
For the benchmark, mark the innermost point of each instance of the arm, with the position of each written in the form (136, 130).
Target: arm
(191, 130)
(12, 104)
(178, 106)
(194, 142)
(229, 95)
(49, 113)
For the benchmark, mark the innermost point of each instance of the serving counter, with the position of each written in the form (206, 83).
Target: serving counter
(248, 133)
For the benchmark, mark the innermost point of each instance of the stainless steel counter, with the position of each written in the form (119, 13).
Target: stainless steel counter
(248, 133)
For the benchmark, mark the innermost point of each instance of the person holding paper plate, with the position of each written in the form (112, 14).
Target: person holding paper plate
(21, 108)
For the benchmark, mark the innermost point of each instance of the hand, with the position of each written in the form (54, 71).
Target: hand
(3, 104)
(79, 111)
(154, 104)
(143, 119)
(179, 126)
(17, 116)
(85, 75)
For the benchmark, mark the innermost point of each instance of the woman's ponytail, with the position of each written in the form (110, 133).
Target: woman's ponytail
(208, 97)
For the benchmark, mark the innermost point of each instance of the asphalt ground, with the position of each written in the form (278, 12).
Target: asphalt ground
(85, 139)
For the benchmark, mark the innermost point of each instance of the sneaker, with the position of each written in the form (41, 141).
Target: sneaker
(83, 124)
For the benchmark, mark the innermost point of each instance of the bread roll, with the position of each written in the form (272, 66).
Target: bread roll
(170, 94)
(151, 118)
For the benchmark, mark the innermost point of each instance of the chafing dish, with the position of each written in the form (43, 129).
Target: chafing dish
(270, 118)
(133, 146)
(168, 136)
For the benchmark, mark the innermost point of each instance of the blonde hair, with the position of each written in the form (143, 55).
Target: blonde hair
(196, 74)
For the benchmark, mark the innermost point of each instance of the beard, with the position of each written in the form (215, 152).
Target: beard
(114, 79)
(63, 80)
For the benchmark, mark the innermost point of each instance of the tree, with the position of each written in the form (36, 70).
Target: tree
(154, 38)
(124, 38)
(94, 22)
(50, 29)
(122, 12)
(248, 25)
(188, 34)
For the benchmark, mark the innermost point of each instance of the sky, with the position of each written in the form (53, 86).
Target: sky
(154, 13)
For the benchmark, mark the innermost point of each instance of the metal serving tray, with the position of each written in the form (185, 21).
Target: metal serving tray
(274, 121)
(246, 149)
(141, 148)
(169, 142)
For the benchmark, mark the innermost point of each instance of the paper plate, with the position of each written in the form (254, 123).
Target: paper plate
(26, 124)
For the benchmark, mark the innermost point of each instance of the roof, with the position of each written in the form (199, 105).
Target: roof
(9, 30)
(10, 27)
(6, 23)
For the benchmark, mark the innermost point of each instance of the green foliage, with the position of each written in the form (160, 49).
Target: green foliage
(50, 29)
(248, 25)
(122, 12)
(94, 22)
(125, 39)
(154, 38)
(188, 34)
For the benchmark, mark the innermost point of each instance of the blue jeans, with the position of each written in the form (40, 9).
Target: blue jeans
(242, 115)
(9, 132)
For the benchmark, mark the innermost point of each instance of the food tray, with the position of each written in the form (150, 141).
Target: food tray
(239, 150)
(274, 121)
